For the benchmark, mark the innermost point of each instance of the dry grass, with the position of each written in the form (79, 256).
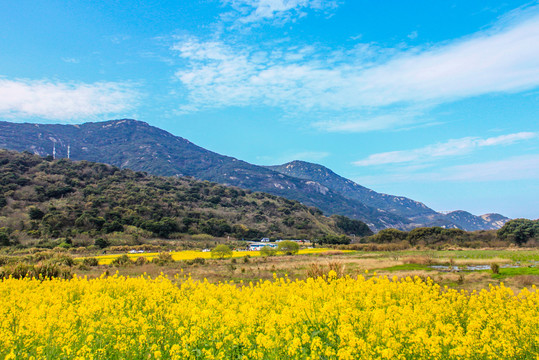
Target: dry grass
(316, 270)
(419, 260)
(314, 265)
(521, 281)
(478, 261)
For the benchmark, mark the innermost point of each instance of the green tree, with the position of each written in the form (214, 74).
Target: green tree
(35, 214)
(519, 230)
(102, 243)
(335, 240)
(4, 237)
(221, 251)
(267, 251)
(288, 247)
(3, 201)
(351, 226)
(386, 236)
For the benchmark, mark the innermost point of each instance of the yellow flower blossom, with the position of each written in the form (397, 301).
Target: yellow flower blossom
(120, 317)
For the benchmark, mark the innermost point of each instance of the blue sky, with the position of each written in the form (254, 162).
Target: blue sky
(434, 100)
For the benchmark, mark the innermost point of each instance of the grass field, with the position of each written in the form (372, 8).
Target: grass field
(250, 266)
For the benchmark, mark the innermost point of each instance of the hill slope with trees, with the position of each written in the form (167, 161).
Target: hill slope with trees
(44, 199)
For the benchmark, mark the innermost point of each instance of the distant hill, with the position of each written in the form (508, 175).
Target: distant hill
(394, 204)
(136, 145)
(43, 198)
(465, 220)
(418, 213)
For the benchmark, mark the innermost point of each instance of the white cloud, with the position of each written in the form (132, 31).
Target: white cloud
(363, 80)
(63, 101)
(524, 167)
(412, 35)
(250, 11)
(515, 168)
(452, 147)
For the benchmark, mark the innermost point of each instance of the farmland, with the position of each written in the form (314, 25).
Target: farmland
(329, 317)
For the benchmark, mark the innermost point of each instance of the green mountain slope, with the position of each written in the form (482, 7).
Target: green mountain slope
(45, 198)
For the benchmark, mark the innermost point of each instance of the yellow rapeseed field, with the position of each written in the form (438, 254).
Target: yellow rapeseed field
(193, 254)
(326, 318)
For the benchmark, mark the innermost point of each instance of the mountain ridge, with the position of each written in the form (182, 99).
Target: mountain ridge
(135, 144)
(416, 211)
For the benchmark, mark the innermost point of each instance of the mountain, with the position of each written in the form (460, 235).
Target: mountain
(136, 145)
(465, 220)
(495, 220)
(394, 204)
(41, 198)
(418, 213)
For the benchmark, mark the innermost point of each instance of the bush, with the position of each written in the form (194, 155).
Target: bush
(200, 261)
(35, 214)
(163, 258)
(335, 240)
(495, 268)
(102, 243)
(221, 251)
(61, 259)
(4, 237)
(141, 260)
(123, 260)
(40, 271)
(288, 247)
(91, 261)
(268, 251)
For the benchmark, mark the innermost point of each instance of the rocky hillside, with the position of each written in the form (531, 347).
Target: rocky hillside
(418, 213)
(470, 222)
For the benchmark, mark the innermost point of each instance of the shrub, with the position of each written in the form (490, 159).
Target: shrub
(91, 261)
(495, 268)
(141, 260)
(40, 271)
(62, 259)
(163, 258)
(268, 251)
(35, 214)
(4, 237)
(200, 261)
(288, 247)
(121, 261)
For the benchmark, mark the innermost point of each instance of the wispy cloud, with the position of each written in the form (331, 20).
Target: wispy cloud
(71, 60)
(63, 101)
(250, 11)
(524, 167)
(412, 35)
(514, 168)
(365, 80)
(452, 147)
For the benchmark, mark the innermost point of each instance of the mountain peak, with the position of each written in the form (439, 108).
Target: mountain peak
(117, 122)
